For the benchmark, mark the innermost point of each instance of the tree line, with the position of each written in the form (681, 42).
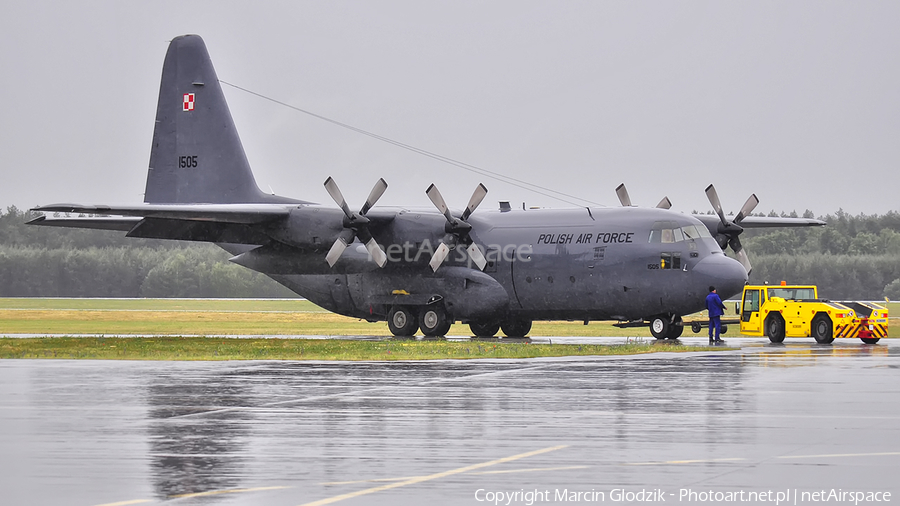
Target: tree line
(853, 257)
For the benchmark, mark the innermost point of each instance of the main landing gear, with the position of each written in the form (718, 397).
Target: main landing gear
(432, 320)
(511, 328)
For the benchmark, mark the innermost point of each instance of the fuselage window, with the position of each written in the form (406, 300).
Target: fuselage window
(670, 261)
(668, 235)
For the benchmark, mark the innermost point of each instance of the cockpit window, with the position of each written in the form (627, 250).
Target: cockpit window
(690, 232)
(669, 232)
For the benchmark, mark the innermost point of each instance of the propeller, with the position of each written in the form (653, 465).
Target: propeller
(355, 224)
(727, 232)
(625, 200)
(457, 228)
(622, 193)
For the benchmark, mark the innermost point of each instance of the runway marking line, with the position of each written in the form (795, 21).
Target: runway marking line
(197, 494)
(699, 461)
(125, 503)
(226, 491)
(374, 480)
(420, 479)
(831, 455)
(529, 470)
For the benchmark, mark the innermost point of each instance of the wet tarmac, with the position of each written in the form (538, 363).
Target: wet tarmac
(752, 424)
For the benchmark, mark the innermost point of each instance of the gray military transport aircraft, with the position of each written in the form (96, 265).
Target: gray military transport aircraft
(417, 268)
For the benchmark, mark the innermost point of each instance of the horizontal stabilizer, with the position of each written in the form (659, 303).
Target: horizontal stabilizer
(246, 214)
(123, 223)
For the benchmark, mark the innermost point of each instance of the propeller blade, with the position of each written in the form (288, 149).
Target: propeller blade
(739, 253)
(376, 253)
(741, 257)
(748, 208)
(714, 200)
(622, 193)
(438, 200)
(665, 203)
(477, 196)
(440, 254)
(477, 256)
(332, 188)
(340, 244)
(374, 195)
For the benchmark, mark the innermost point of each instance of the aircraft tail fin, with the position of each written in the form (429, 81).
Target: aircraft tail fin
(196, 156)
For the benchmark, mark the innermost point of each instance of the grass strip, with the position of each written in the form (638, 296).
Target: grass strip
(205, 348)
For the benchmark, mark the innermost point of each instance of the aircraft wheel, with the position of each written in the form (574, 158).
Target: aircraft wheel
(402, 322)
(775, 328)
(696, 327)
(821, 329)
(659, 326)
(516, 328)
(870, 340)
(675, 330)
(434, 321)
(484, 329)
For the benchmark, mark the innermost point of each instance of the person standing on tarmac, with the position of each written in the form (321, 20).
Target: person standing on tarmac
(716, 310)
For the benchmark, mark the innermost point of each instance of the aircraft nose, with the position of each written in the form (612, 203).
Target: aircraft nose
(726, 274)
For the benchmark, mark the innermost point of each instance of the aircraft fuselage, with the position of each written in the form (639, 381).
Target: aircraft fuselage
(543, 264)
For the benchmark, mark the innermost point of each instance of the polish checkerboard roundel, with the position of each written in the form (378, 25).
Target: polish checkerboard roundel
(188, 104)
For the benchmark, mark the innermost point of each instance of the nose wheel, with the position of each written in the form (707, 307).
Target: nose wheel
(666, 326)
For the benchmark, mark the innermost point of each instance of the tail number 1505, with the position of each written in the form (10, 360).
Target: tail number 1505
(188, 161)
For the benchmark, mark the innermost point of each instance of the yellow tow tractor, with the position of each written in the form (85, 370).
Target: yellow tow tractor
(780, 311)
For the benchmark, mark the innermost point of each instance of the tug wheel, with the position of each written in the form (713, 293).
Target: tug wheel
(774, 327)
(821, 329)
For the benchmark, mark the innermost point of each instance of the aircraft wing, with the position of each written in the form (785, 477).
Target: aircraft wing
(770, 222)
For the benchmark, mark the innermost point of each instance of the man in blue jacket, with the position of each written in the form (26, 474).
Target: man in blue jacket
(716, 310)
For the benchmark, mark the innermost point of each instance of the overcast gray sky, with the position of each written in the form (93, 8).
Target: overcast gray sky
(798, 102)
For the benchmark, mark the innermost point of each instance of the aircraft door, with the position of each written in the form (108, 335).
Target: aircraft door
(554, 279)
(750, 311)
